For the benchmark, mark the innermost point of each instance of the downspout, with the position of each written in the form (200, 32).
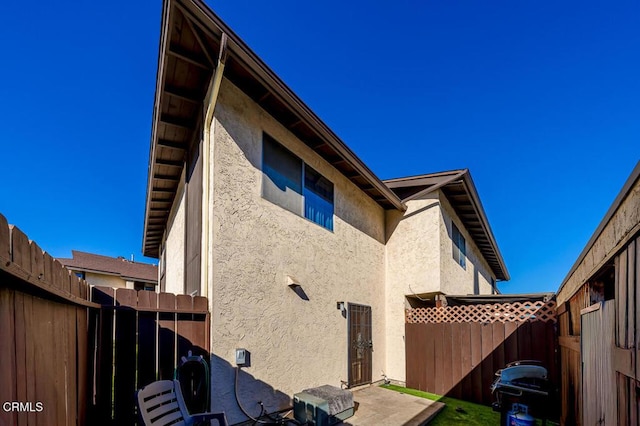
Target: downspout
(209, 105)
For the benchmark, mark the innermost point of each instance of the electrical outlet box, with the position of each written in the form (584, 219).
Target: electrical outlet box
(241, 357)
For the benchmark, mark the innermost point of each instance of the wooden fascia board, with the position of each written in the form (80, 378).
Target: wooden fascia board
(164, 34)
(261, 72)
(467, 182)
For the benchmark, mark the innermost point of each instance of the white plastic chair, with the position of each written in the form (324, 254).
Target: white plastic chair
(161, 403)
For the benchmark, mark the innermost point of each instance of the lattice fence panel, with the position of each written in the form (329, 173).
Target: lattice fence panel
(490, 313)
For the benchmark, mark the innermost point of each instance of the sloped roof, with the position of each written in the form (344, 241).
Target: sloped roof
(90, 262)
(190, 44)
(459, 189)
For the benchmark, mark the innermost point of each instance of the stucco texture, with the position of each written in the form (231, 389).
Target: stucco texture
(294, 343)
(475, 277)
(174, 246)
(624, 223)
(419, 260)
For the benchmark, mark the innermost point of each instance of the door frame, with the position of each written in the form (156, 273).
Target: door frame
(366, 374)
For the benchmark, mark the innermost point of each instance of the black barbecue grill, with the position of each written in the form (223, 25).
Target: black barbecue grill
(523, 382)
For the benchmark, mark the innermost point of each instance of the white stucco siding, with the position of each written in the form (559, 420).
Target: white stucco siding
(294, 343)
(475, 277)
(174, 246)
(412, 267)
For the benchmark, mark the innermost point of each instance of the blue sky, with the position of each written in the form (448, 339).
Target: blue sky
(540, 100)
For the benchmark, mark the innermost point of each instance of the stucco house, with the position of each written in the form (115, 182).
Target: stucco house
(307, 258)
(116, 272)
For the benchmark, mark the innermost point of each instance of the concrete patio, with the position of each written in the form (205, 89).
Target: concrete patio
(379, 406)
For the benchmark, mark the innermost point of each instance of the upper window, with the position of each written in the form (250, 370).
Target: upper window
(290, 183)
(459, 246)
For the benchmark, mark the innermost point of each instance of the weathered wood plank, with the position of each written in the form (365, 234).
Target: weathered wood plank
(447, 360)
(621, 300)
(631, 295)
(456, 360)
(166, 336)
(476, 361)
(488, 371)
(21, 352)
(570, 342)
(7, 352)
(5, 239)
(125, 356)
(147, 339)
(511, 342)
(20, 250)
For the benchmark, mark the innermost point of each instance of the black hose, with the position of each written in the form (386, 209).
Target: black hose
(262, 422)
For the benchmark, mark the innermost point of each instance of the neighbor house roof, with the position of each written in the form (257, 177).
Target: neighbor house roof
(128, 270)
(459, 189)
(190, 41)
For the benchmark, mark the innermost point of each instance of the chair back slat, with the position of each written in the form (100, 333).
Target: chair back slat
(158, 404)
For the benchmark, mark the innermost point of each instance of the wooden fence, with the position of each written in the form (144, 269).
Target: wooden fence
(455, 351)
(142, 336)
(75, 355)
(43, 336)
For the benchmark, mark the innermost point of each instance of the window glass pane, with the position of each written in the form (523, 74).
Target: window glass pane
(459, 246)
(282, 176)
(318, 195)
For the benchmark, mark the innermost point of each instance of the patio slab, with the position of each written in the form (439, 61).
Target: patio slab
(379, 406)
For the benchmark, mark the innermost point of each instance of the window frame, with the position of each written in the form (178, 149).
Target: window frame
(304, 189)
(459, 246)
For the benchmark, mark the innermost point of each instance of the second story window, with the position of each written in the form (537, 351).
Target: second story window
(290, 183)
(459, 246)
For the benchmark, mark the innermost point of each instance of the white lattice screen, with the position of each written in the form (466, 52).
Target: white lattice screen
(490, 313)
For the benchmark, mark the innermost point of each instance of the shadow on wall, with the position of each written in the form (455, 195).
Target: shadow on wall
(250, 390)
(394, 217)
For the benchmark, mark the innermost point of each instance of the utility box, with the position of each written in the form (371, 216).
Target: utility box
(323, 406)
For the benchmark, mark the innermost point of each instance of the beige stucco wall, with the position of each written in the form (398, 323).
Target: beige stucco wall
(624, 223)
(294, 343)
(174, 246)
(475, 278)
(104, 280)
(412, 267)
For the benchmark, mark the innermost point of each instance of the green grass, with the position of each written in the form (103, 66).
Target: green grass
(455, 412)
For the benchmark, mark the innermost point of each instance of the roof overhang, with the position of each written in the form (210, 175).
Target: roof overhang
(461, 193)
(190, 40)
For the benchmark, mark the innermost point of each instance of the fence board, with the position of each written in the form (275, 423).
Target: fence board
(184, 325)
(166, 337)
(621, 299)
(147, 338)
(456, 360)
(498, 333)
(20, 250)
(465, 339)
(447, 359)
(20, 347)
(460, 359)
(125, 357)
(439, 360)
(7, 353)
(5, 239)
(488, 373)
(476, 361)
(106, 297)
